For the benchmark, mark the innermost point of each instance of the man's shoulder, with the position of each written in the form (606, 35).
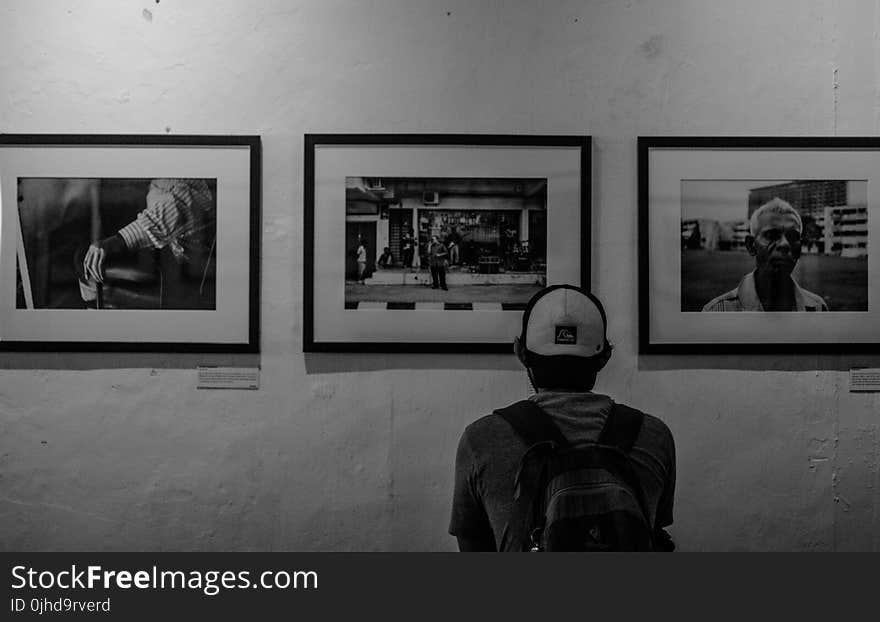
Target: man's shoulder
(724, 301)
(813, 302)
(492, 433)
(653, 425)
(483, 423)
(485, 429)
(491, 442)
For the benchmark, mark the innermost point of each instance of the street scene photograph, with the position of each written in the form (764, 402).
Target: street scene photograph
(444, 243)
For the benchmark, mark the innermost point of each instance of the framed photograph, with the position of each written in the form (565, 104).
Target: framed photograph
(758, 245)
(435, 242)
(129, 243)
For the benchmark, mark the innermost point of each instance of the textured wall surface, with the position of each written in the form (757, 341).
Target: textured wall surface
(355, 452)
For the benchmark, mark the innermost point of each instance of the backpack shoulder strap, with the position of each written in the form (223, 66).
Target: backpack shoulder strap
(622, 427)
(532, 423)
(534, 426)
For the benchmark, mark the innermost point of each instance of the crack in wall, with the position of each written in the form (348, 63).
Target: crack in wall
(56, 506)
(835, 91)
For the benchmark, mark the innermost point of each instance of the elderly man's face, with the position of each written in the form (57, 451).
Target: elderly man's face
(777, 245)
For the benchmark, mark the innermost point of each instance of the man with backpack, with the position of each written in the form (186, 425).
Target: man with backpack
(568, 469)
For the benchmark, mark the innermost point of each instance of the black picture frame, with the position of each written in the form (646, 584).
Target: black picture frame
(793, 159)
(248, 214)
(313, 342)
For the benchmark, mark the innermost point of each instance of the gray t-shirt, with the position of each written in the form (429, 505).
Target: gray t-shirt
(489, 453)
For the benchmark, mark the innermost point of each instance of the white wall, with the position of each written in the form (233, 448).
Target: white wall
(355, 452)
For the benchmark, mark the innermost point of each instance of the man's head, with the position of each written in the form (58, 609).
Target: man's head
(435, 239)
(563, 343)
(775, 239)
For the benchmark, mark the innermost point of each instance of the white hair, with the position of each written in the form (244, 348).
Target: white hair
(774, 206)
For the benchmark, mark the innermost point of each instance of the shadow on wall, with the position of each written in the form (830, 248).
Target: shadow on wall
(758, 362)
(123, 360)
(329, 363)
(316, 363)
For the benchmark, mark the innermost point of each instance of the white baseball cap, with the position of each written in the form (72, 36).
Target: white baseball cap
(564, 320)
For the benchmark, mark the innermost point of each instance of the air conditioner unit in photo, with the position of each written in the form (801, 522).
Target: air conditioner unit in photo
(431, 198)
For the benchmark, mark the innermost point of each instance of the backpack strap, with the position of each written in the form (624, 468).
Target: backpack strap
(622, 427)
(535, 427)
(621, 430)
(532, 423)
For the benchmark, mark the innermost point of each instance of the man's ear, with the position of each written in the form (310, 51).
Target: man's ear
(750, 245)
(520, 350)
(606, 355)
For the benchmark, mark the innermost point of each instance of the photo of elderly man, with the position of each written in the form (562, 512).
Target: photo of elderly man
(774, 245)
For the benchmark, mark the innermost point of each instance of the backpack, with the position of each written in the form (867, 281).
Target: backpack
(576, 498)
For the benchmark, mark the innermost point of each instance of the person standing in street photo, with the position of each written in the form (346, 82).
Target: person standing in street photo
(361, 261)
(409, 245)
(437, 254)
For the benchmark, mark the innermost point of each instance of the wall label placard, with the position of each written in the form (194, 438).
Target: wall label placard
(247, 378)
(864, 380)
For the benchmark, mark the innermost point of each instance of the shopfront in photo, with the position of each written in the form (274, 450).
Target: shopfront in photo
(490, 226)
